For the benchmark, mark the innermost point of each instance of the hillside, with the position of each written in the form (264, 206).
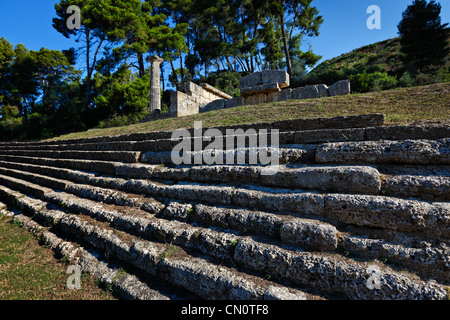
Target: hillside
(401, 106)
(385, 54)
(375, 67)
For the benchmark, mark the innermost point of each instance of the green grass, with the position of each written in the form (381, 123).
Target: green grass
(401, 106)
(385, 54)
(29, 271)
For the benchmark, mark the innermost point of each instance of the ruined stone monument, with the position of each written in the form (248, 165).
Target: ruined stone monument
(197, 98)
(155, 84)
(259, 87)
(263, 86)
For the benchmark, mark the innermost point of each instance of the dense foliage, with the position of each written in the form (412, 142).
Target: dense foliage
(419, 56)
(42, 94)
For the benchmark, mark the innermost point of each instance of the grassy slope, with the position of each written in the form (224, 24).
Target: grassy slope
(29, 271)
(401, 106)
(386, 54)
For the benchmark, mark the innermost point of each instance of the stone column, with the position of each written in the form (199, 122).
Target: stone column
(155, 84)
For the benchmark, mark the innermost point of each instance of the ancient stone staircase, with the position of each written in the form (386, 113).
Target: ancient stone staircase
(357, 210)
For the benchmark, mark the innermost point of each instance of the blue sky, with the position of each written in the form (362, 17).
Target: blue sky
(344, 28)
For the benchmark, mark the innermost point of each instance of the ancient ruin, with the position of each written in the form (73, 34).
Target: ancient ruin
(155, 84)
(256, 88)
(357, 210)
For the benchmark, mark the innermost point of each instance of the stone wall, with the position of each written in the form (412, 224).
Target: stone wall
(256, 88)
(368, 211)
(194, 98)
(273, 86)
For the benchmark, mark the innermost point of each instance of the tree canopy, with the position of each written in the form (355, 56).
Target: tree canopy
(424, 37)
(42, 93)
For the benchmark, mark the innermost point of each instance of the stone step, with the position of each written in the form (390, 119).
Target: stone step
(425, 182)
(123, 284)
(166, 261)
(300, 267)
(102, 167)
(306, 233)
(431, 188)
(244, 139)
(415, 170)
(122, 156)
(341, 122)
(363, 210)
(254, 155)
(336, 273)
(133, 213)
(428, 259)
(421, 152)
(164, 142)
(356, 179)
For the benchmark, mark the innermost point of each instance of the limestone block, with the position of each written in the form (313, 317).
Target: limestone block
(206, 95)
(323, 90)
(176, 98)
(234, 102)
(432, 152)
(214, 105)
(340, 88)
(310, 234)
(278, 76)
(214, 92)
(261, 98)
(265, 77)
(256, 99)
(286, 94)
(274, 96)
(190, 87)
(250, 100)
(262, 88)
(251, 80)
(307, 92)
(187, 107)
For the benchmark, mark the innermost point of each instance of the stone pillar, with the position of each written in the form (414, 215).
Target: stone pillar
(155, 84)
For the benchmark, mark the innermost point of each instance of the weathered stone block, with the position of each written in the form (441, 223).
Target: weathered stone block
(262, 88)
(250, 100)
(274, 96)
(190, 87)
(214, 105)
(340, 88)
(251, 80)
(278, 76)
(214, 92)
(234, 102)
(307, 92)
(310, 234)
(286, 94)
(323, 90)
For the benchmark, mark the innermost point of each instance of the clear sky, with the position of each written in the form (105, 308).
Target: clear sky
(344, 28)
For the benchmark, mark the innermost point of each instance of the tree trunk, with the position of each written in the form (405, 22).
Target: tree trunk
(162, 76)
(177, 83)
(286, 47)
(140, 58)
(89, 72)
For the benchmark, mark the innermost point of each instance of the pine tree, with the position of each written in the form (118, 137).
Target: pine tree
(424, 38)
(297, 18)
